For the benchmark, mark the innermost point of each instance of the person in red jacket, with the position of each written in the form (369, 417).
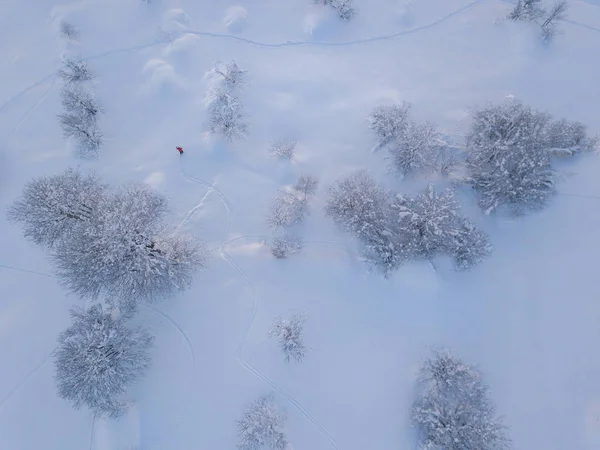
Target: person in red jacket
(180, 150)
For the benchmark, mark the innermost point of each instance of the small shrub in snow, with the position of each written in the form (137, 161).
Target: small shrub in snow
(286, 210)
(567, 138)
(262, 425)
(75, 70)
(283, 247)
(508, 160)
(68, 31)
(288, 330)
(359, 205)
(431, 224)
(306, 186)
(388, 122)
(282, 149)
(126, 253)
(534, 11)
(226, 117)
(97, 358)
(453, 410)
(51, 207)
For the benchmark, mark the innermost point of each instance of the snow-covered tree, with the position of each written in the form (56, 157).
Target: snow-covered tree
(529, 10)
(431, 224)
(344, 8)
(306, 186)
(389, 121)
(285, 246)
(567, 138)
(359, 205)
(79, 121)
(51, 207)
(415, 149)
(226, 116)
(286, 209)
(508, 161)
(534, 11)
(288, 330)
(452, 410)
(262, 426)
(75, 70)
(282, 148)
(97, 358)
(557, 13)
(127, 253)
(230, 77)
(68, 31)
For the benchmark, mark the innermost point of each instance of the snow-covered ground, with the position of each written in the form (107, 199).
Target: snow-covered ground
(529, 316)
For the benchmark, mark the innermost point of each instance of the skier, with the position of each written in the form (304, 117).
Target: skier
(180, 150)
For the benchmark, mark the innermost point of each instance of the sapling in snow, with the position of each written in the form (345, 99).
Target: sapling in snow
(285, 246)
(97, 358)
(75, 70)
(288, 331)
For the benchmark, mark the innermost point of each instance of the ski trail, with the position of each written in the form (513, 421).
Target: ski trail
(25, 90)
(255, 308)
(42, 98)
(194, 209)
(182, 333)
(383, 37)
(92, 432)
(24, 380)
(20, 269)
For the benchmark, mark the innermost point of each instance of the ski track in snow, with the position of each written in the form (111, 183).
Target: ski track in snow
(255, 306)
(92, 432)
(284, 44)
(24, 380)
(30, 110)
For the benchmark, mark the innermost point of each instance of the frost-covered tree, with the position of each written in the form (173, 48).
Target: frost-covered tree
(534, 11)
(529, 10)
(68, 31)
(286, 209)
(80, 119)
(508, 161)
(282, 148)
(359, 205)
(97, 358)
(230, 76)
(51, 207)
(452, 410)
(566, 138)
(226, 116)
(127, 253)
(431, 224)
(557, 13)
(389, 121)
(75, 70)
(288, 330)
(262, 426)
(344, 8)
(306, 186)
(285, 246)
(415, 149)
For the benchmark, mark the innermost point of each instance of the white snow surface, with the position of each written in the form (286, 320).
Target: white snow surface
(529, 316)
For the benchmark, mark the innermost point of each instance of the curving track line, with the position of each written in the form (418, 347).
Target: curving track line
(255, 307)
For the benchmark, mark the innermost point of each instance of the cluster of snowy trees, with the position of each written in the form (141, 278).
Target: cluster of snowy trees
(226, 117)
(395, 229)
(110, 246)
(547, 18)
(287, 209)
(344, 8)
(507, 161)
(452, 409)
(79, 120)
